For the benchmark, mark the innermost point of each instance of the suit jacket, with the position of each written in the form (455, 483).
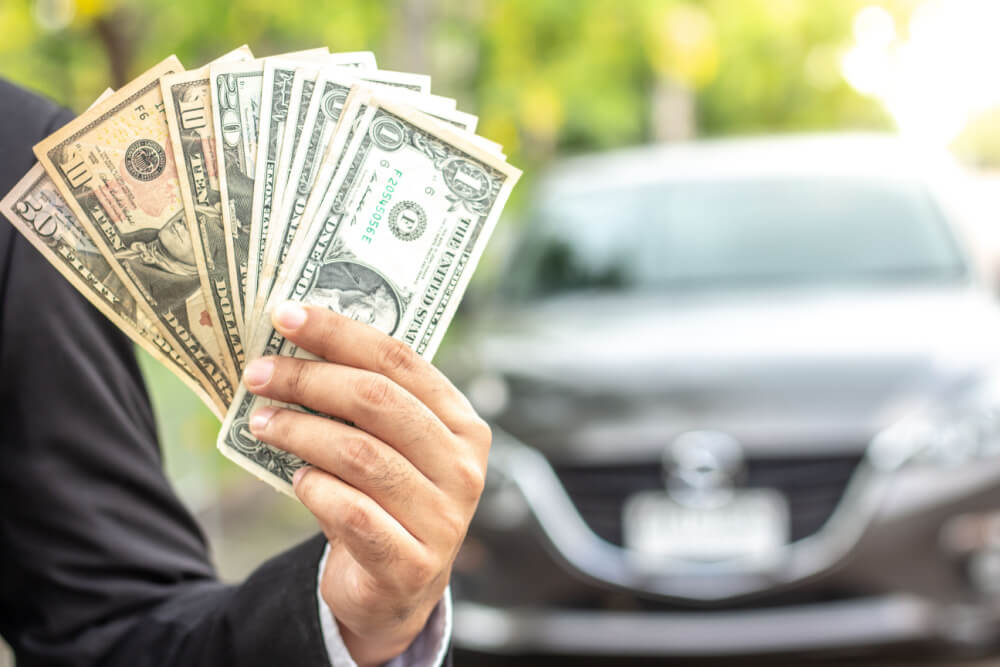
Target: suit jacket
(99, 561)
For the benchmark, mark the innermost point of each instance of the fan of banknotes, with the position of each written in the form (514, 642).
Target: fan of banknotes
(188, 203)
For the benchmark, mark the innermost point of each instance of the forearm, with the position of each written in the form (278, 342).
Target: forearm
(269, 619)
(275, 617)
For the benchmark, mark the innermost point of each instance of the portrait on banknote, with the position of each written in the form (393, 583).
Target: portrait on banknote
(357, 291)
(164, 261)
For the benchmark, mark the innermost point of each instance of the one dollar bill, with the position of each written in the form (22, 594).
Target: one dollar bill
(281, 77)
(319, 124)
(398, 236)
(278, 80)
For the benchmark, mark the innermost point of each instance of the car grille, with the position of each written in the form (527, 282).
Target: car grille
(812, 487)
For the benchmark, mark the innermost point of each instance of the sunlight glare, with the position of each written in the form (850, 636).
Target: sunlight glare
(936, 77)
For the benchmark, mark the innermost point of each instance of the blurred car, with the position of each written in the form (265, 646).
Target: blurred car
(746, 401)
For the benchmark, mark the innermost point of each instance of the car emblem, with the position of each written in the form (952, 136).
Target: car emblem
(702, 468)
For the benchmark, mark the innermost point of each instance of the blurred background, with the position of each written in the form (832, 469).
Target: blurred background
(807, 294)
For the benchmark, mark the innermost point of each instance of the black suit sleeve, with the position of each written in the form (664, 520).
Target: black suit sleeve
(99, 561)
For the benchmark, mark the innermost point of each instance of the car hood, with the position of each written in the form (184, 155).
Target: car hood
(606, 377)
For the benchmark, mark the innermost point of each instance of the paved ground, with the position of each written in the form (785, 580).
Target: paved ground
(469, 660)
(473, 660)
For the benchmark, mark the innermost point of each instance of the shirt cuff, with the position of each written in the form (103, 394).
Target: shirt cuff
(429, 649)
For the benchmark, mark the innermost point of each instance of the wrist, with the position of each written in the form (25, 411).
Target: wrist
(374, 650)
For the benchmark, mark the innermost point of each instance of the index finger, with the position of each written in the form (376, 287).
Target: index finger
(342, 340)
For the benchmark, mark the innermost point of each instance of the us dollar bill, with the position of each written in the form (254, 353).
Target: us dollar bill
(356, 60)
(189, 120)
(319, 123)
(302, 90)
(400, 231)
(235, 91)
(439, 108)
(418, 83)
(278, 80)
(188, 117)
(236, 98)
(301, 96)
(115, 169)
(40, 214)
(282, 85)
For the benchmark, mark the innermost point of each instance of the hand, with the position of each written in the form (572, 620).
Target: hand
(394, 492)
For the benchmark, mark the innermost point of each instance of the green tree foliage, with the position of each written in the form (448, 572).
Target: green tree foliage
(546, 76)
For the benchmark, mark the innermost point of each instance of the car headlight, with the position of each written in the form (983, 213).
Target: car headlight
(961, 429)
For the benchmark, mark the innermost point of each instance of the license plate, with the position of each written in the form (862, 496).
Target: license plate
(752, 524)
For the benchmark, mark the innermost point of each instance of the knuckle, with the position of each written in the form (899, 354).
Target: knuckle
(308, 489)
(381, 549)
(360, 454)
(420, 572)
(394, 356)
(356, 519)
(281, 426)
(480, 430)
(470, 426)
(330, 333)
(297, 382)
(455, 526)
(470, 477)
(367, 597)
(374, 391)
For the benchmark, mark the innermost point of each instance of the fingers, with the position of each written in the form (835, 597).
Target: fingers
(374, 539)
(342, 340)
(373, 402)
(365, 463)
(395, 489)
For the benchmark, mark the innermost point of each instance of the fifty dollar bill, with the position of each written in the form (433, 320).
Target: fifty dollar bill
(115, 169)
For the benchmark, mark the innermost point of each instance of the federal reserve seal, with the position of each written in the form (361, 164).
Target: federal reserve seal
(145, 160)
(387, 132)
(466, 179)
(407, 221)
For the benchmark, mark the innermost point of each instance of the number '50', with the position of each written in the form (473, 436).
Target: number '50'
(29, 212)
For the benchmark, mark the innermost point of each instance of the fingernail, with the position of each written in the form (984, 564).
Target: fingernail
(259, 419)
(299, 474)
(289, 315)
(258, 372)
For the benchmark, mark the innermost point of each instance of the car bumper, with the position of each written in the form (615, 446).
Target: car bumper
(848, 625)
(883, 579)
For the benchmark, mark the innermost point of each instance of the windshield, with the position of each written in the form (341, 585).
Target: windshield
(739, 233)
